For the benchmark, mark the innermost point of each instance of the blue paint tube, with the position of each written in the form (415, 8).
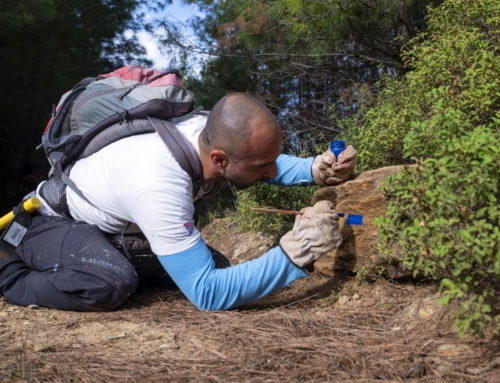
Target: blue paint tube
(352, 219)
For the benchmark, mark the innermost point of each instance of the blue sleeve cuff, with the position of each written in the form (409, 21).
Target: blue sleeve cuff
(208, 288)
(293, 171)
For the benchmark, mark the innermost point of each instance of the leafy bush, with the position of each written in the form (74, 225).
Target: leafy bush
(458, 51)
(218, 204)
(270, 196)
(380, 121)
(444, 212)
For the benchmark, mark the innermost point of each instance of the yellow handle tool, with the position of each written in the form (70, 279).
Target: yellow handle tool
(30, 205)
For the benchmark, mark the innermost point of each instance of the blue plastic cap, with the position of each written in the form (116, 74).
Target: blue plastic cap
(337, 147)
(354, 219)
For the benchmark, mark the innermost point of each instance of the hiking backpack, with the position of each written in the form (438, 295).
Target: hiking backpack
(99, 111)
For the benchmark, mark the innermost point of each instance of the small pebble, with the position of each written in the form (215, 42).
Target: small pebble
(119, 336)
(355, 296)
(33, 307)
(9, 309)
(170, 346)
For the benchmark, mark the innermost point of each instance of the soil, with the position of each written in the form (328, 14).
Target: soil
(317, 329)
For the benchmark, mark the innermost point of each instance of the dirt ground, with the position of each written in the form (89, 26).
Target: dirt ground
(318, 329)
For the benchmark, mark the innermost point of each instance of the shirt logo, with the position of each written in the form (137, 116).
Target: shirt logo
(189, 227)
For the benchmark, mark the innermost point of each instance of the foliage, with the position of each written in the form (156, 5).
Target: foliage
(220, 203)
(444, 211)
(370, 274)
(270, 196)
(297, 56)
(441, 57)
(220, 76)
(381, 120)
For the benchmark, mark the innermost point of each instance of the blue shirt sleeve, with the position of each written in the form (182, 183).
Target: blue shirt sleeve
(208, 288)
(293, 171)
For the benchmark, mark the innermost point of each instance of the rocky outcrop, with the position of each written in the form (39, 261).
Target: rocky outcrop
(358, 251)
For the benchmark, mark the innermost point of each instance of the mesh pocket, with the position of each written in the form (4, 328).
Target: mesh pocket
(53, 192)
(116, 132)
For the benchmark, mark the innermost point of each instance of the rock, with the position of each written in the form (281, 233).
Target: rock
(170, 346)
(423, 308)
(443, 368)
(343, 300)
(119, 336)
(453, 350)
(9, 309)
(355, 297)
(39, 347)
(320, 314)
(361, 195)
(353, 303)
(33, 307)
(428, 307)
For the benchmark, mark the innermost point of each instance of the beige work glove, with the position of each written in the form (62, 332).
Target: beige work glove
(327, 170)
(315, 232)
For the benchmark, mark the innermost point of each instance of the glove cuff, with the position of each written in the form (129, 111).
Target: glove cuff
(288, 256)
(288, 244)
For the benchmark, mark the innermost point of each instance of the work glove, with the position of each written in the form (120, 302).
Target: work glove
(315, 232)
(327, 170)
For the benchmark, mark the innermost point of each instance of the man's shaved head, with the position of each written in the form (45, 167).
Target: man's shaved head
(231, 121)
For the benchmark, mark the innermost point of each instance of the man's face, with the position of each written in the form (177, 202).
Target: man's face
(259, 160)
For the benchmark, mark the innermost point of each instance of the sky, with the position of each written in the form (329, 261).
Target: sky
(176, 11)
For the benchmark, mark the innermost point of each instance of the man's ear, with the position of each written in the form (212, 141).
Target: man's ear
(219, 158)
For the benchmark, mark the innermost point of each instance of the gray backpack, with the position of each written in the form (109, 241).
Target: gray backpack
(99, 111)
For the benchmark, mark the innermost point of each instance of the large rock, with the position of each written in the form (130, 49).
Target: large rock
(358, 251)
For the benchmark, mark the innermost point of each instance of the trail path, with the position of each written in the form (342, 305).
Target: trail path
(365, 332)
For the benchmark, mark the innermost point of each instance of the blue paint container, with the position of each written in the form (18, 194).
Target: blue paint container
(352, 219)
(337, 147)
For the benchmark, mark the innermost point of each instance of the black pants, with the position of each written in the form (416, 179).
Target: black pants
(68, 265)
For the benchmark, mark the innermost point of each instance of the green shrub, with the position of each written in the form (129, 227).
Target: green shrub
(218, 204)
(381, 120)
(459, 51)
(444, 212)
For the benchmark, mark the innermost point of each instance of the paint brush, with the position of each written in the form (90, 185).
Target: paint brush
(352, 219)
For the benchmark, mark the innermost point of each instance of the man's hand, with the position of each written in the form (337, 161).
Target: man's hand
(327, 170)
(315, 232)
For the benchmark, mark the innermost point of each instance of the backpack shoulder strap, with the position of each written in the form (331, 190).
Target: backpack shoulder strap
(69, 182)
(181, 149)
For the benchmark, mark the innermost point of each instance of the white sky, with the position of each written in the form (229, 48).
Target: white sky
(176, 11)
